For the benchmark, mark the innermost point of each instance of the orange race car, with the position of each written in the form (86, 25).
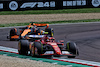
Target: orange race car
(31, 29)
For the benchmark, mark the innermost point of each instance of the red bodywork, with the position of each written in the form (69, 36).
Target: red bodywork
(51, 41)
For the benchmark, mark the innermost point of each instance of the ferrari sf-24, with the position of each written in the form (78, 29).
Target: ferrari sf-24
(44, 46)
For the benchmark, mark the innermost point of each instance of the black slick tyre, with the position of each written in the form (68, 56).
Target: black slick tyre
(23, 47)
(37, 49)
(72, 48)
(12, 33)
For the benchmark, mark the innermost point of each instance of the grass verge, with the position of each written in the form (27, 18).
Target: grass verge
(52, 22)
(82, 10)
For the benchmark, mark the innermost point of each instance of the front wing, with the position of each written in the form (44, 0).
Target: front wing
(64, 53)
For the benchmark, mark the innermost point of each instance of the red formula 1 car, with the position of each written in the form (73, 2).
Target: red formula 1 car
(32, 29)
(47, 46)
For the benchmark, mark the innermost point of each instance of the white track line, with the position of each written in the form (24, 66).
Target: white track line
(84, 62)
(7, 49)
(77, 61)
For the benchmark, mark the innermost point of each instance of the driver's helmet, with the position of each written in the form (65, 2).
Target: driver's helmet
(47, 39)
(29, 26)
(50, 39)
(32, 27)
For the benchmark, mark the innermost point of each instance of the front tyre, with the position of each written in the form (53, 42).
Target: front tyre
(37, 49)
(23, 47)
(72, 48)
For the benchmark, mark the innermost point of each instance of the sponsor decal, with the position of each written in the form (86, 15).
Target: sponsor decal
(96, 3)
(65, 52)
(29, 4)
(53, 44)
(79, 3)
(36, 36)
(13, 5)
(38, 4)
(69, 3)
(74, 3)
(49, 52)
(64, 3)
(52, 4)
(83, 2)
(1, 5)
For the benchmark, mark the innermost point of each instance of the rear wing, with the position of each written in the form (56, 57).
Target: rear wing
(39, 25)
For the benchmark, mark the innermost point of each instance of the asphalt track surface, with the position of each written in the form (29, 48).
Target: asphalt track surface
(86, 36)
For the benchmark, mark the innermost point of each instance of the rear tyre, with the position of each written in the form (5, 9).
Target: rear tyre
(23, 47)
(72, 48)
(37, 49)
(12, 33)
(50, 31)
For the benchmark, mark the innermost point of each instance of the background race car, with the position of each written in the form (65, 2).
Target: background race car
(31, 29)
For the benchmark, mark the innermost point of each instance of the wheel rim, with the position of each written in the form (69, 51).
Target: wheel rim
(36, 51)
(68, 46)
(52, 32)
(32, 50)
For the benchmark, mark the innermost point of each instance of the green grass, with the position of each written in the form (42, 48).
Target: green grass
(53, 22)
(81, 10)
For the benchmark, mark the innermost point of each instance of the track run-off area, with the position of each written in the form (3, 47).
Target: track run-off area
(85, 35)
